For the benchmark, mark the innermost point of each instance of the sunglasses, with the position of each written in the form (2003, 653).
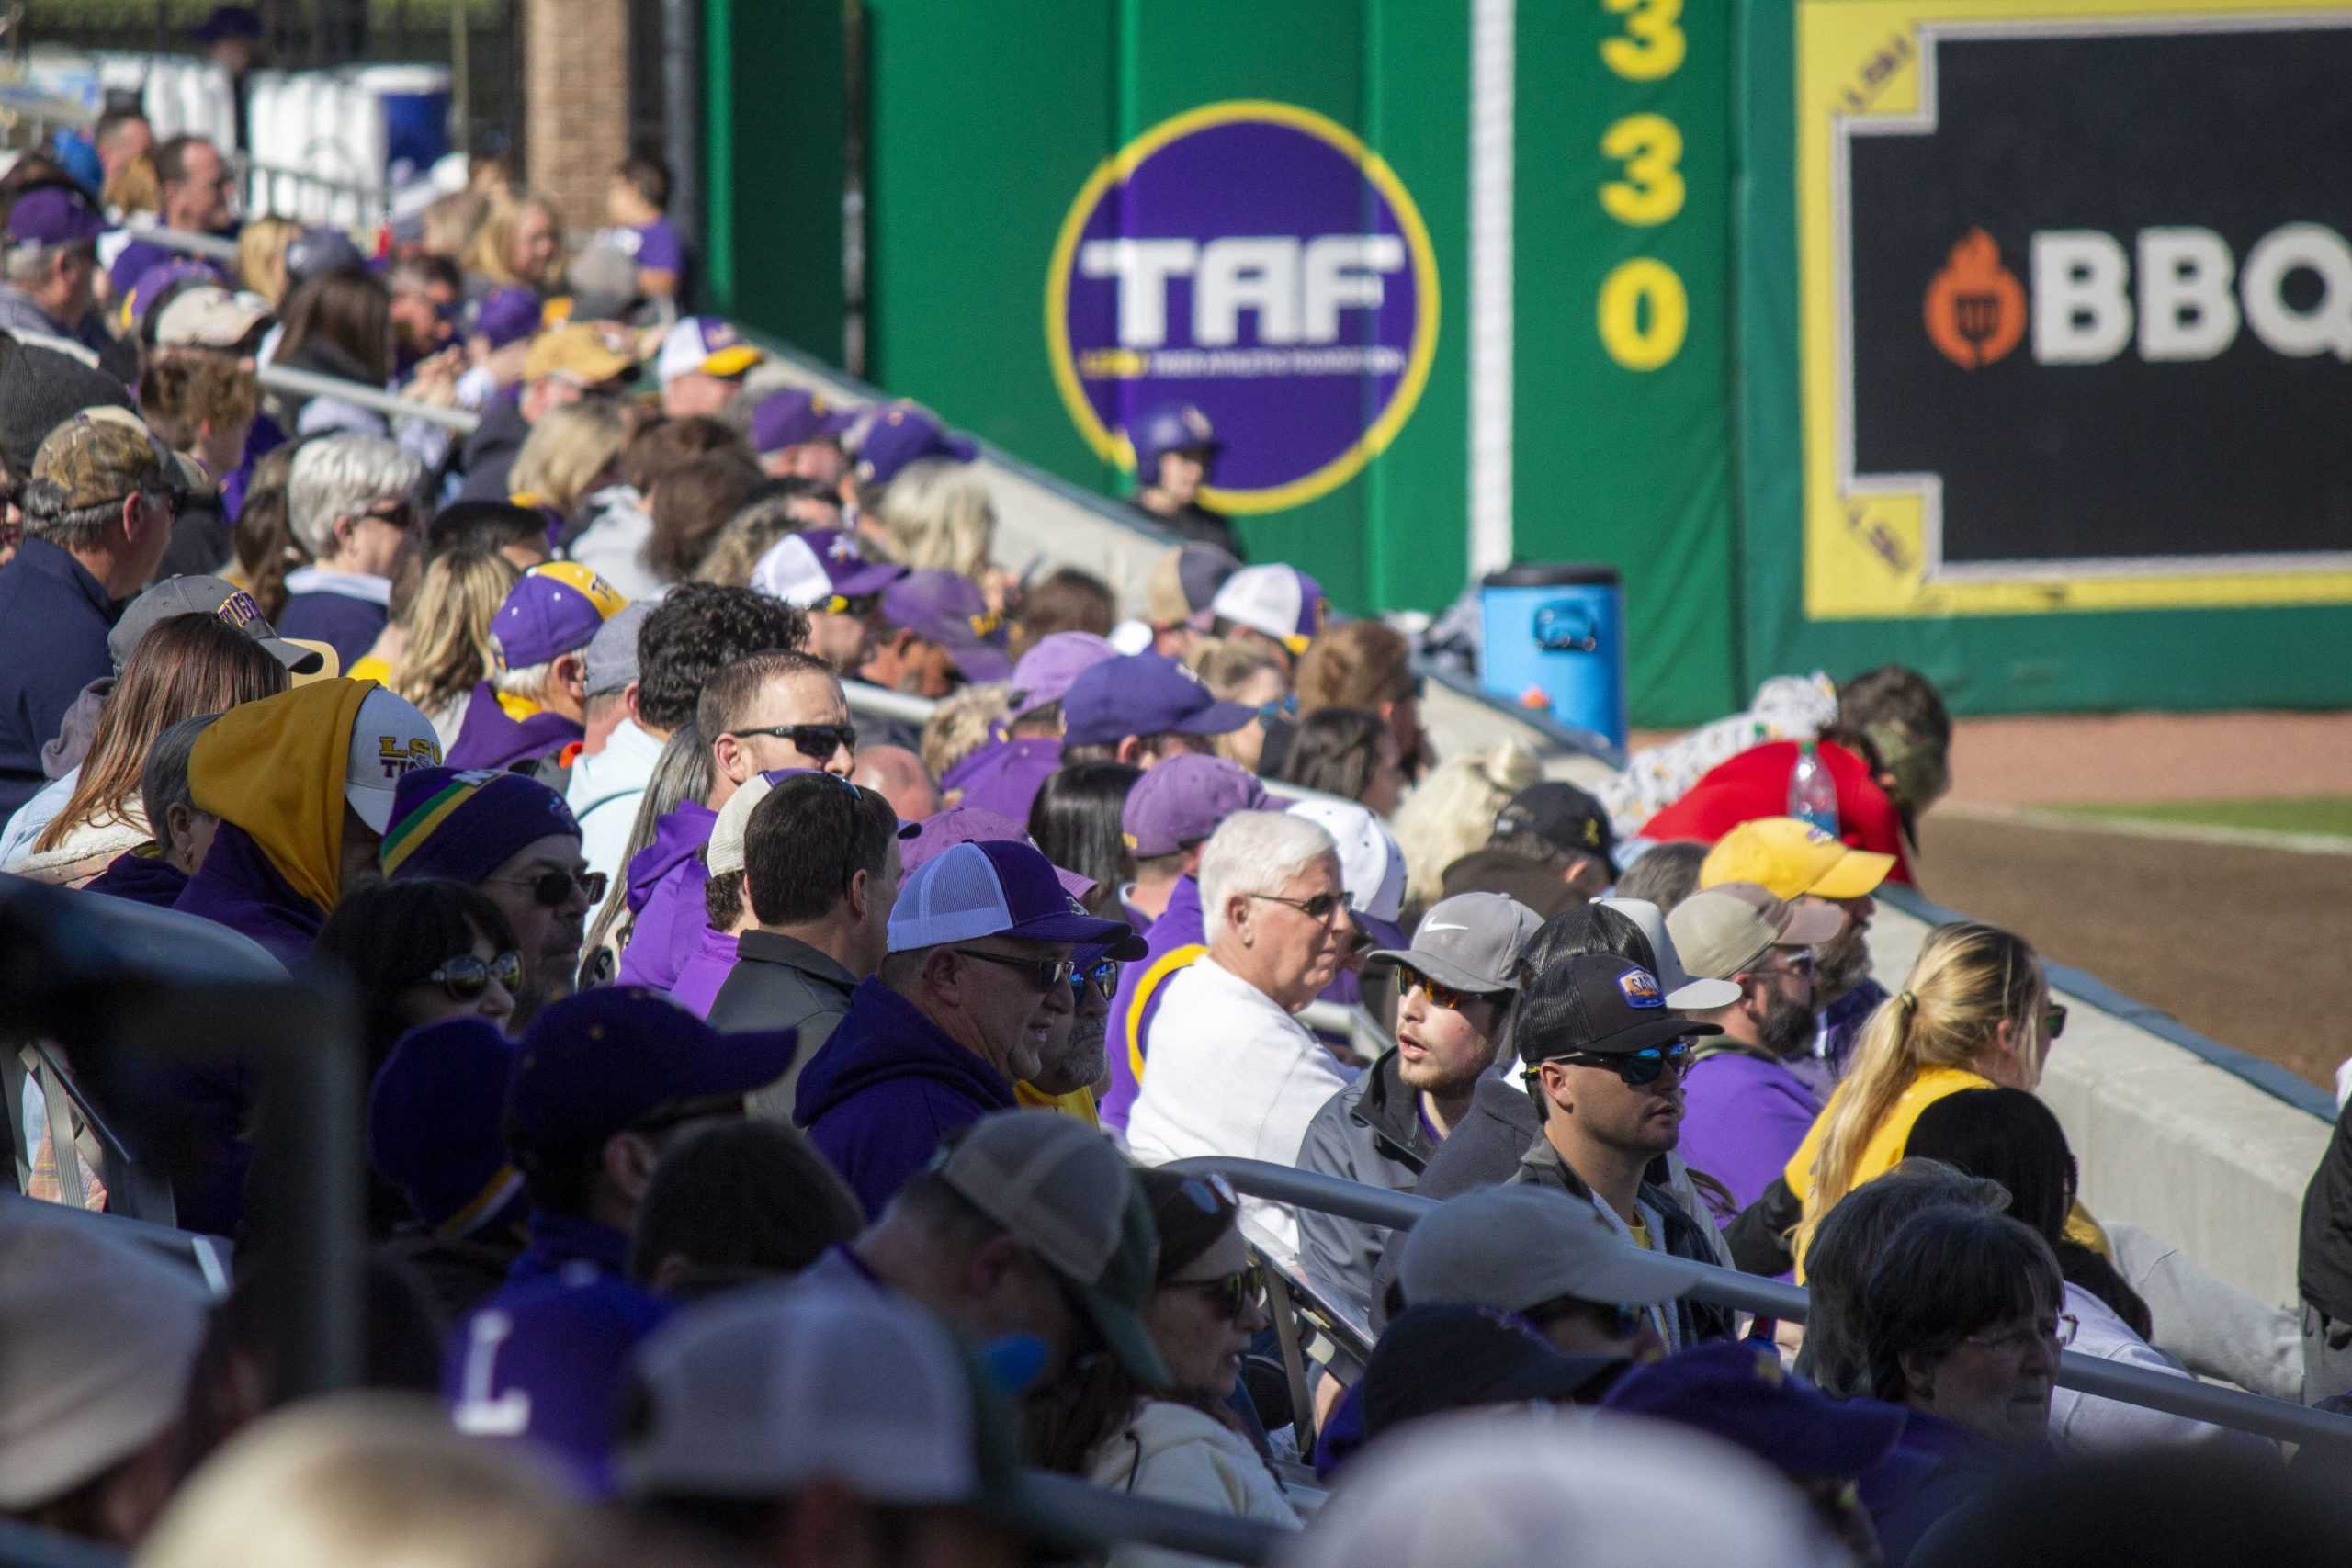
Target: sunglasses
(1452, 998)
(552, 889)
(1104, 977)
(1210, 1194)
(1800, 963)
(1043, 974)
(1230, 1295)
(1646, 1065)
(2053, 1020)
(1319, 908)
(466, 977)
(1619, 1320)
(819, 741)
(399, 514)
(864, 605)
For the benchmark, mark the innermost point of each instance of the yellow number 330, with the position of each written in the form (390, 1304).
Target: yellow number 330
(1652, 45)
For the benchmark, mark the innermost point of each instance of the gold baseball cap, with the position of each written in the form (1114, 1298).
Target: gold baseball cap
(1791, 857)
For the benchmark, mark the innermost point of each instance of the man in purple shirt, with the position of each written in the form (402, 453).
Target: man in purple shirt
(1168, 816)
(1744, 1111)
(535, 699)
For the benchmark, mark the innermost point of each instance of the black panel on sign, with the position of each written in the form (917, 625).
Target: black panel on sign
(2248, 451)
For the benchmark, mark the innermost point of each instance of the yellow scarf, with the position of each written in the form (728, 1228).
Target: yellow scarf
(276, 769)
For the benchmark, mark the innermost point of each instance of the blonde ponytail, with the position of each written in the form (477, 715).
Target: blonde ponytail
(1967, 978)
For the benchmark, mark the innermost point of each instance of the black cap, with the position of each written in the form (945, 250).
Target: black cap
(1598, 1003)
(1562, 816)
(1452, 1356)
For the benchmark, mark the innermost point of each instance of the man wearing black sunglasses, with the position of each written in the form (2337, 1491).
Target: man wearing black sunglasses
(1605, 1058)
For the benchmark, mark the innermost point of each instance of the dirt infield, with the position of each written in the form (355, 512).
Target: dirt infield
(2246, 944)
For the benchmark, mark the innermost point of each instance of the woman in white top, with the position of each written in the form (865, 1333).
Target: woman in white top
(1182, 1444)
(1231, 1071)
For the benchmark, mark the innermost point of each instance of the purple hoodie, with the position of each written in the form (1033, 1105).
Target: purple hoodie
(885, 1089)
(665, 895)
(1174, 940)
(705, 971)
(488, 739)
(1004, 776)
(237, 886)
(141, 878)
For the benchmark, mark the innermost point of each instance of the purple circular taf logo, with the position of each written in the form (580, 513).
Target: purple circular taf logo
(1257, 260)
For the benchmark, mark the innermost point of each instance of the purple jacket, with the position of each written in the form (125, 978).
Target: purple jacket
(1004, 776)
(1742, 1118)
(143, 879)
(1174, 940)
(665, 895)
(885, 1089)
(237, 886)
(488, 739)
(705, 971)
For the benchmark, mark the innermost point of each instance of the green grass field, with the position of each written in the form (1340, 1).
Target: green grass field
(2330, 813)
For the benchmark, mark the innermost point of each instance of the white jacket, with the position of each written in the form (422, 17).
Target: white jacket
(1176, 1454)
(613, 544)
(1230, 1074)
(2086, 1424)
(606, 791)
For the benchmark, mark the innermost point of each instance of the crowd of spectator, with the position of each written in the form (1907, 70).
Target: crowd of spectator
(779, 1106)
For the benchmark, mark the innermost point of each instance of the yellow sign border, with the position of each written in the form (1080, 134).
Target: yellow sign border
(1864, 555)
(1112, 445)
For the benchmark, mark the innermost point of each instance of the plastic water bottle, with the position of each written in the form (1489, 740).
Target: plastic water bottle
(1813, 794)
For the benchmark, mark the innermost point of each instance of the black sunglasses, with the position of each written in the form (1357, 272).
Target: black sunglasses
(1319, 908)
(2053, 1020)
(1619, 1320)
(466, 977)
(1646, 1065)
(1043, 974)
(816, 741)
(864, 605)
(1230, 1294)
(1104, 977)
(551, 889)
(1211, 1194)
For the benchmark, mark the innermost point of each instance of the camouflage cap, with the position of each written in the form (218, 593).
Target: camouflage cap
(99, 456)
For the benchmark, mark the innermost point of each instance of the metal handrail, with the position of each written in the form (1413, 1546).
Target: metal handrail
(2184, 1396)
(310, 384)
(187, 239)
(1118, 1519)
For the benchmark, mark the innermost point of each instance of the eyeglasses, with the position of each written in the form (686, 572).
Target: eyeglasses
(2053, 1020)
(1229, 1295)
(552, 889)
(1319, 908)
(1798, 961)
(816, 740)
(1452, 998)
(1043, 974)
(399, 514)
(2058, 1332)
(1619, 1320)
(1646, 1065)
(1104, 977)
(466, 977)
(864, 605)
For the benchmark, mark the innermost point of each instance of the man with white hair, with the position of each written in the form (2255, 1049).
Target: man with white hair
(1232, 1071)
(351, 503)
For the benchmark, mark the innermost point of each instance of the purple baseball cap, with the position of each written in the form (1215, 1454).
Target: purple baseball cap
(949, 609)
(433, 1126)
(595, 1064)
(503, 316)
(1045, 671)
(1142, 694)
(807, 569)
(1180, 801)
(942, 830)
(554, 609)
(55, 215)
(566, 1352)
(902, 433)
(996, 887)
(794, 417)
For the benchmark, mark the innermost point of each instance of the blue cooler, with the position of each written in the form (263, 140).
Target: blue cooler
(415, 99)
(1558, 628)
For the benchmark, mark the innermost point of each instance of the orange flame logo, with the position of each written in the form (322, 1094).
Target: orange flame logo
(1976, 307)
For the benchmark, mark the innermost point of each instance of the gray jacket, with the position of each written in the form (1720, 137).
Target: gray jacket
(1369, 1132)
(781, 982)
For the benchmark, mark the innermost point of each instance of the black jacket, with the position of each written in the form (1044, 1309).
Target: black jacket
(1483, 1150)
(2323, 1261)
(780, 981)
(1369, 1132)
(1681, 1237)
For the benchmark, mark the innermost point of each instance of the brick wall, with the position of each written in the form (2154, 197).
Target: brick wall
(576, 81)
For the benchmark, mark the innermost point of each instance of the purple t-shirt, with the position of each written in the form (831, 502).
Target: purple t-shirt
(655, 246)
(1742, 1118)
(1175, 939)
